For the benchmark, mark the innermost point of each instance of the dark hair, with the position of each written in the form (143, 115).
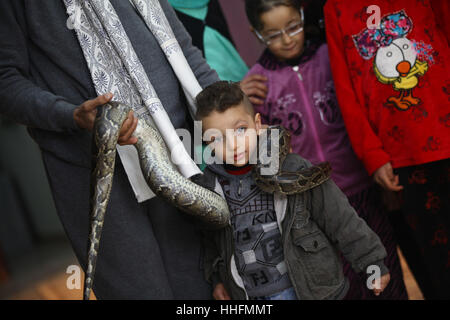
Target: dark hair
(255, 8)
(221, 96)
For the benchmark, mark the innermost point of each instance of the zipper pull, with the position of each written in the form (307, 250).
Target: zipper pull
(296, 69)
(240, 187)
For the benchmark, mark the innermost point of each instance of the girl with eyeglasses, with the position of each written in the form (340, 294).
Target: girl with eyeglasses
(301, 97)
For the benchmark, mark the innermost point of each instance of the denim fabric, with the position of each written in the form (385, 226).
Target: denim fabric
(287, 294)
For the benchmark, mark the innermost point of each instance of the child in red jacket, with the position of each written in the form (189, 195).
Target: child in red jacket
(301, 97)
(389, 63)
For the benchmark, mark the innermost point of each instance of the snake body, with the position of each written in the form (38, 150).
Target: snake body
(281, 181)
(161, 175)
(166, 182)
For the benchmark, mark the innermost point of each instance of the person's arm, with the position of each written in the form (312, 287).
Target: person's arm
(330, 209)
(359, 244)
(365, 142)
(204, 74)
(335, 216)
(20, 99)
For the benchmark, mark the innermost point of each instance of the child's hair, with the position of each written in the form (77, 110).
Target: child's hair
(220, 96)
(255, 8)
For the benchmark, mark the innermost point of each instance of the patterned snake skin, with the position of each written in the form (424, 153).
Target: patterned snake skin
(165, 181)
(161, 175)
(283, 181)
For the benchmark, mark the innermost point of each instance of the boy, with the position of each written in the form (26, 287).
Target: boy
(276, 246)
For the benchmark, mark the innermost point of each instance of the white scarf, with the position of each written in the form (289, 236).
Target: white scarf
(115, 67)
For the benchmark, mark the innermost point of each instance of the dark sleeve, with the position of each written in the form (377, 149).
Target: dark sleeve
(204, 74)
(212, 258)
(340, 222)
(20, 99)
(335, 216)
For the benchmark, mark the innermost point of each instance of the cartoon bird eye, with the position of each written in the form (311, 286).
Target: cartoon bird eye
(405, 46)
(389, 54)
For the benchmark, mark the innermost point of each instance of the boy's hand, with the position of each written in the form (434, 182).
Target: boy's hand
(254, 86)
(385, 177)
(85, 115)
(220, 293)
(384, 280)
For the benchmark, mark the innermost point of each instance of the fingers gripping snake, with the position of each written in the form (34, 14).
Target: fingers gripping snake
(164, 179)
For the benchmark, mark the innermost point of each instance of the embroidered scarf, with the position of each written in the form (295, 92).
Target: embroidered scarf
(115, 67)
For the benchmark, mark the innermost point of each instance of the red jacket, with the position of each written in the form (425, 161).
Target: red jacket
(392, 81)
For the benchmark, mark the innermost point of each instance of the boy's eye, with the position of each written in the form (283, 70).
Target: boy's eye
(240, 130)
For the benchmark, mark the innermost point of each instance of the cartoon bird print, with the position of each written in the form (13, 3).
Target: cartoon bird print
(397, 64)
(396, 60)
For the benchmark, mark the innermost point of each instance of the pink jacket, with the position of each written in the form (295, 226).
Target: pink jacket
(303, 100)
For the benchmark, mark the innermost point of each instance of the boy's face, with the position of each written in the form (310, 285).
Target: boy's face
(284, 47)
(232, 134)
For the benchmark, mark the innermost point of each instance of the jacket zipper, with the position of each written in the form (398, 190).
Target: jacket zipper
(297, 70)
(233, 248)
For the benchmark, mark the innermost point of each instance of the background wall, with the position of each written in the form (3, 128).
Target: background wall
(246, 43)
(32, 240)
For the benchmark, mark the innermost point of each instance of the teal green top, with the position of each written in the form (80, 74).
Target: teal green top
(189, 4)
(220, 53)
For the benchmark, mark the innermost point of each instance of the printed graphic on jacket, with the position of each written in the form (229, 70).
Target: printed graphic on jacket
(398, 61)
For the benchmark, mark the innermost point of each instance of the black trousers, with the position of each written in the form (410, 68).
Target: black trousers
(423, 230)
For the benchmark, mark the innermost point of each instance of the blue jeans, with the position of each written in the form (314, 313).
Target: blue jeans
(287, 294)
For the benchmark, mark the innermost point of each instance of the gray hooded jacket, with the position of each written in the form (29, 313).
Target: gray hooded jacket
(315, 226)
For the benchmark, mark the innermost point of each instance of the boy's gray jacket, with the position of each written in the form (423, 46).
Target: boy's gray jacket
(315, 226)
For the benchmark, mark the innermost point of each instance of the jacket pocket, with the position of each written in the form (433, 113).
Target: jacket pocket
(312, 242)
(319, 258)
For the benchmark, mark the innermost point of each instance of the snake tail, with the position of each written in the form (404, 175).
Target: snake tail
(106, 133)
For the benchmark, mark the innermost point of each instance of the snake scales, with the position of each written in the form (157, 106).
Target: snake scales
(165, 180)
(161, 175)
(287, 182)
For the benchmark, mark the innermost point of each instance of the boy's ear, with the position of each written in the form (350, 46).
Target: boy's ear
(258, 124)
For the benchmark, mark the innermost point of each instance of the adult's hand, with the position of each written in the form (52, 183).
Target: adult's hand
(85, 114)
(385, 177)
(254, 86)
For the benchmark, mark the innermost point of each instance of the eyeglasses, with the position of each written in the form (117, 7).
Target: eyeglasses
(291, 31)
